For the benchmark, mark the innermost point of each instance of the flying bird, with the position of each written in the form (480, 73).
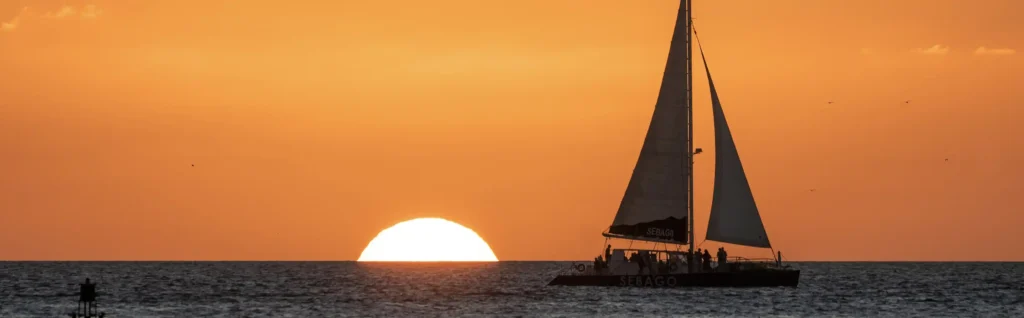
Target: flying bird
(830, 102)
(907, 102)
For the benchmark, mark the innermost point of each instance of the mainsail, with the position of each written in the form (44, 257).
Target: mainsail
(734, 218)
(654, 207)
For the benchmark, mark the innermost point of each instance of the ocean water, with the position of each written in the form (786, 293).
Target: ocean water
(344, 289)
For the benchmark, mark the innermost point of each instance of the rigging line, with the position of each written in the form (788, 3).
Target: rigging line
(699, 47)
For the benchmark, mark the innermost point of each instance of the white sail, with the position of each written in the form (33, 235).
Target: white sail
(654, 206)
(734, 218)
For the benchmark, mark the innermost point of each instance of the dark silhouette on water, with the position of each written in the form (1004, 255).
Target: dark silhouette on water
(86, 302)
(657, 206)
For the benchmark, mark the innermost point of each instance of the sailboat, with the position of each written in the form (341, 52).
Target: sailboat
(657, 206)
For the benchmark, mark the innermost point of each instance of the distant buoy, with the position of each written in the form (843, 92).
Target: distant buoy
(87, 302)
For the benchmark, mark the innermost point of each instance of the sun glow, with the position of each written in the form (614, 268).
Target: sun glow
(427, 240)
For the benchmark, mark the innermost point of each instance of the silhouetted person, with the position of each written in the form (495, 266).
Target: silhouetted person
(706, 259)
(689, 261)
(696, 261)
(722, 256)
(608, 253)
(640, 262)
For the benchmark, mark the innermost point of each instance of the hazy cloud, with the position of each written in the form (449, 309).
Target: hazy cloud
(65, 12)
(934, 50)
(987, 51)
(91, 12)
(87, 12)
(12, 24)
(9, 25)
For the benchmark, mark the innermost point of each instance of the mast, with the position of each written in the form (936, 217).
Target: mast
(689, 119)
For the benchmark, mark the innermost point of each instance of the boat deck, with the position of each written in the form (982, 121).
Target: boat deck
(749, 278)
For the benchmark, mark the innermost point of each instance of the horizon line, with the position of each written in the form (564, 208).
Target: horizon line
(498, 261)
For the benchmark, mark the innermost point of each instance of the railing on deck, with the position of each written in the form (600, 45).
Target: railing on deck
(743, 262)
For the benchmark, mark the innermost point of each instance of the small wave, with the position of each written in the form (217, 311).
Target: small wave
(493, 293)
(57, 295)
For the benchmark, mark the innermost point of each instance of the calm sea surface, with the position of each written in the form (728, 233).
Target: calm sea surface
(337, 289)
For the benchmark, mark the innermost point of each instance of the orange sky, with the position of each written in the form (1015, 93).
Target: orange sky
(315, 124)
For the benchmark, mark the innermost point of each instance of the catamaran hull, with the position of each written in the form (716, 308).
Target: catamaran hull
(772, 278)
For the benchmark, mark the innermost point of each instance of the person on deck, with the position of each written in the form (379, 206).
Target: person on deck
(640, 260)
(721, 260)
(608, 253)
(706, 260)
(696, 261)
(688, 257)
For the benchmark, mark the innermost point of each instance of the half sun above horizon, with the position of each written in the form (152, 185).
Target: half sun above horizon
(427, 240)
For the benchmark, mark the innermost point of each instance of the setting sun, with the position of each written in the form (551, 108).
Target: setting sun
(427, 240)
